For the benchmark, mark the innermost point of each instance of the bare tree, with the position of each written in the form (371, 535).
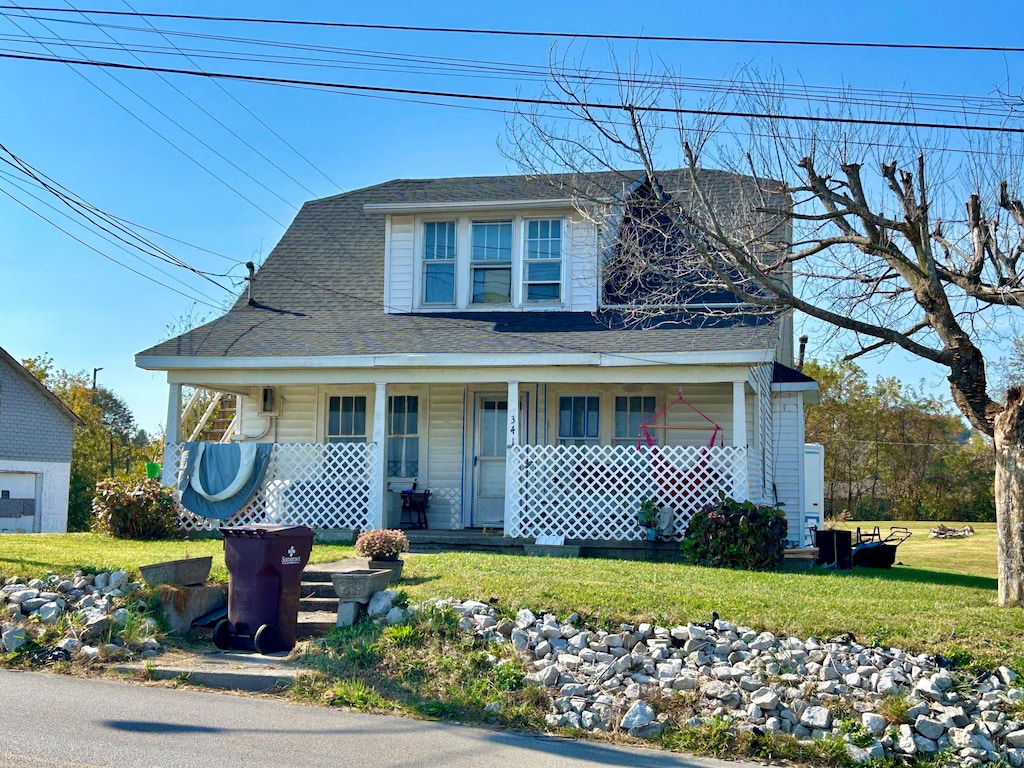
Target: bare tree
(865, 224)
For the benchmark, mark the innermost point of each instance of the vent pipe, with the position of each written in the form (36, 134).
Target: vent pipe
(803, 348)
(252, 276)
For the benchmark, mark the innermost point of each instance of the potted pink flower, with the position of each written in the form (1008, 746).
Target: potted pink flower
(382, 548)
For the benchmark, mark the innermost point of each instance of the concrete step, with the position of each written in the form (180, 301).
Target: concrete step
(318, 603)
(315, 623)
(317, 589)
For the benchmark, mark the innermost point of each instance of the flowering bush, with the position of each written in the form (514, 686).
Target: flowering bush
(734, 534)
(386, 544)
(134, 510)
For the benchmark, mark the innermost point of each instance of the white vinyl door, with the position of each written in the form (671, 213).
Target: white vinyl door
(489, 461)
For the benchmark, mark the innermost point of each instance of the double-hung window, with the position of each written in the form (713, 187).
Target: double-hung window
(630, 413)
(579, 420)
(403, 436)
(491, 262)
(542, 260)
(439, 262)
(346, 419)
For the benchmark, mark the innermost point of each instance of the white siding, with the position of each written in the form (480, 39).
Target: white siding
(444, 456)
(52, 479)
(296, 424)
(789, 453)
(582, 245)
(762, 439)
(713, 400)
(401, 263)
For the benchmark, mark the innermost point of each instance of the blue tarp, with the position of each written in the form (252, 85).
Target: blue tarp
(219, 478)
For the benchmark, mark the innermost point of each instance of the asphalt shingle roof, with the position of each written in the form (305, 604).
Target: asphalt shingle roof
(320, 291)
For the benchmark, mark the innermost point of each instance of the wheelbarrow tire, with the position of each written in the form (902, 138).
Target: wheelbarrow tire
(222, 635)
(267, 638)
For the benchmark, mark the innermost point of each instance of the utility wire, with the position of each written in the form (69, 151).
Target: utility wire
(517, 71)
(87, 62)
(143, 275)
(540, 34)
(516, 100)
(14, 180)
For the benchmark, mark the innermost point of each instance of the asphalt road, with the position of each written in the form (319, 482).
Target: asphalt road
(53, 721)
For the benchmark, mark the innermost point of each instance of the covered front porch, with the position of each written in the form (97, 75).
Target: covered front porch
(565, 463)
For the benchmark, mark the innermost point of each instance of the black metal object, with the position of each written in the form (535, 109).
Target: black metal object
(265, 565)
(873, 551)
(414, 509)
(834, 548)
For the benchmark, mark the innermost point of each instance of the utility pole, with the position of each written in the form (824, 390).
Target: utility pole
(94, 371)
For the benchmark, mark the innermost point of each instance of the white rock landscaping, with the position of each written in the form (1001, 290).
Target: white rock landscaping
(90, 606)
(808, 688)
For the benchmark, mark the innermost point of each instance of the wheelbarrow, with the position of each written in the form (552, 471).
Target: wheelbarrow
(872, 551)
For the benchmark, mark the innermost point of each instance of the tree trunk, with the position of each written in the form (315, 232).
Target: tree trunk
(1009, 492)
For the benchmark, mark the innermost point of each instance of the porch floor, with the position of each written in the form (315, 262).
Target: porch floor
(469, 540)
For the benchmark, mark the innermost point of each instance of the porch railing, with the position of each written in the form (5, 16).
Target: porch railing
(594, 492)
(322, 485)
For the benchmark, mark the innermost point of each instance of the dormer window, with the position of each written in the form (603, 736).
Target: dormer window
(491, 265)
(468, 260)
(542, 260)
(439, 239)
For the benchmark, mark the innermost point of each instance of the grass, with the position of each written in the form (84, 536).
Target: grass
(30, 555)
(941, 600)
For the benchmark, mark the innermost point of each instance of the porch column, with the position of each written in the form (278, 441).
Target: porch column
(511, 464)
(172, 434)
(376, 501)
(740, 490)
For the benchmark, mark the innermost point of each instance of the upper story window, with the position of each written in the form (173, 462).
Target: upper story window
(542, 260)
(439, 238)
(468, 261)
(491, 264)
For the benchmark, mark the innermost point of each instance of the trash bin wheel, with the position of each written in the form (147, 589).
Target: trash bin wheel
(267, 638)
(222, 635)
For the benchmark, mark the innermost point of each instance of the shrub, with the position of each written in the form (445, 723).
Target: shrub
(386, 544)
(734, 534)
(142, 509)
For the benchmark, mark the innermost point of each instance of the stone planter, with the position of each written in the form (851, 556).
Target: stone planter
(394, 566)
(358, 584)
(187, 572)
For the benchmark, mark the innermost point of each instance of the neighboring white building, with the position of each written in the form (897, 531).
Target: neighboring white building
(454, 332)
(35, 452)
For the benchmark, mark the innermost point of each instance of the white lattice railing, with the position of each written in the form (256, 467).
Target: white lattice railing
(594, 492)
(322, 485)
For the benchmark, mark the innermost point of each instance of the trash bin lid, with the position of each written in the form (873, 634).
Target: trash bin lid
(266, 530)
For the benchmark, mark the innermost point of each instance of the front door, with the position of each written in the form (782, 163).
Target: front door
(489, 461)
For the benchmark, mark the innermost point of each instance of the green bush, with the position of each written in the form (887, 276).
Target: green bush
(142, 509)
(739, 535)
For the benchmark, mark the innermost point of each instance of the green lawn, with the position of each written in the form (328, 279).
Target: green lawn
(941, 600)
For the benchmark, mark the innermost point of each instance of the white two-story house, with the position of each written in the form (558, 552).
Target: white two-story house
(455, 332)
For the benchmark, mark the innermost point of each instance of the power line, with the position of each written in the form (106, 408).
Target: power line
(251, 114)
(104, 255)
(87, 62)
(280, 81)
(540, 34)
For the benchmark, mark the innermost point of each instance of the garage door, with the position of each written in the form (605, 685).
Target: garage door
(17, 501)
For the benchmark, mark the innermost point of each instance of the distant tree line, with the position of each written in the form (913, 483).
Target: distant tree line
(892, 452)
(109, 444)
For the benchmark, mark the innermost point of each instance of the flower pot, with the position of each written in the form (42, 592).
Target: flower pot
(152, 471)
(651, 534)
(190, 571)
(394, 566)
(359, 583)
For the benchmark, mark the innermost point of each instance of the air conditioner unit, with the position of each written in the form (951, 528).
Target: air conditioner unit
(269, 403)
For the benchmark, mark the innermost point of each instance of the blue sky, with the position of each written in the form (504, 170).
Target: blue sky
(60, 298)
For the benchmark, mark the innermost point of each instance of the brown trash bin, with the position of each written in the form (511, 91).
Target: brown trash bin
(264, 565)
